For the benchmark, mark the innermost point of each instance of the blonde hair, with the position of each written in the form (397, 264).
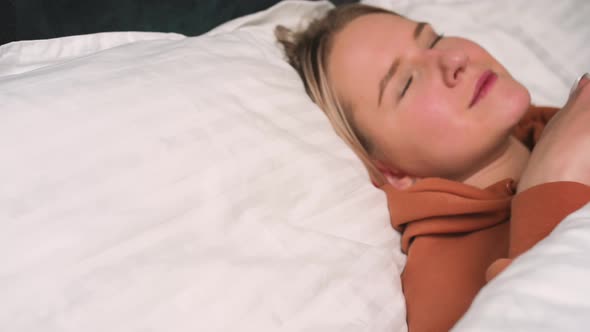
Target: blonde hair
(307, 51)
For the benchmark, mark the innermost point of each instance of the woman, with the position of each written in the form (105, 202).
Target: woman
(441, 127)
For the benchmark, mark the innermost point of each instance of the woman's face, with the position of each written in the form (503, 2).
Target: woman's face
(415, 96)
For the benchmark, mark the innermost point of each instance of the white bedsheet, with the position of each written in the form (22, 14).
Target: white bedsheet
(545, 289)
(151, 182)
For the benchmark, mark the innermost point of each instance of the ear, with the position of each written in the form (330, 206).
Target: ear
(395, 177)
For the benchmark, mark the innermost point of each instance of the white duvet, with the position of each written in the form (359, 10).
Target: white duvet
(152, 182)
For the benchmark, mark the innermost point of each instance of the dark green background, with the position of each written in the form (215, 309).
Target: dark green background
(41, 19)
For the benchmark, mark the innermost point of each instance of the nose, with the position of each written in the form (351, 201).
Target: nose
(453, 63)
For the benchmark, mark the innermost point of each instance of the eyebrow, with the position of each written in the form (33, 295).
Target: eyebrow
(395, 64)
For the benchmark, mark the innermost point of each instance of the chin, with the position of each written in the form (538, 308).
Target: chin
(516, 104)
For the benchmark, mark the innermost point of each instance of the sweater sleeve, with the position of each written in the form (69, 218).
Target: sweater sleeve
(529, 128)
(535, 213)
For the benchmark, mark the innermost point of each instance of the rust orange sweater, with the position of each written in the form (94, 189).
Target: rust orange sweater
(457, 237)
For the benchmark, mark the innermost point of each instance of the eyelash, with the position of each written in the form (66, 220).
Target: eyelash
(436, 40)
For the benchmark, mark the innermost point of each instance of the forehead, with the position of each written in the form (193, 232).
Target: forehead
(374, 26)
(363, 51)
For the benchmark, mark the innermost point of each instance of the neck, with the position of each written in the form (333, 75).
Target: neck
(508, 163)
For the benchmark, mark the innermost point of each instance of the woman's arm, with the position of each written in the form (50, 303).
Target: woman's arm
(556, 181)
(529, 128)
(563, 150)
(535, 213)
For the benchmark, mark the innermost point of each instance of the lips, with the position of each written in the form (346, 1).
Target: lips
(483, 86)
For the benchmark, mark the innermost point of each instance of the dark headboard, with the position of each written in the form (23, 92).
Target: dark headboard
(41, 19)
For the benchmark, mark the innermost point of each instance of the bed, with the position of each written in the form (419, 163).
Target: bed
(160, 182)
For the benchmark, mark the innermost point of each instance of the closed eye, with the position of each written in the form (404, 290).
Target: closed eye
(407, 86)
(436, 40)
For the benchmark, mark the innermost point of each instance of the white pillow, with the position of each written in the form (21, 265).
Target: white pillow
(23, 56)
(185, 184)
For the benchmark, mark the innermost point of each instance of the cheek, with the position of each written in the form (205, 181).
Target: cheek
(432, 115)
(435, 126)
